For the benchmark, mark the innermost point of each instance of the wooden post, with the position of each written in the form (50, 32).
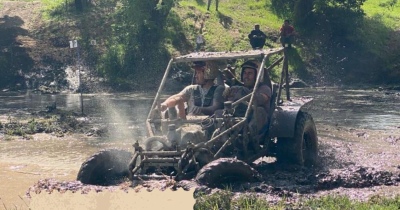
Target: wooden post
(286, 70)
(281, 82)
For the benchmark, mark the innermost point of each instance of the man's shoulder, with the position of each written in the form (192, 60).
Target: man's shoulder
(264, 88)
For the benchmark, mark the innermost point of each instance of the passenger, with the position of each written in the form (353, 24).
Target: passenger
(262, 95)
(257, 38)
(203, 98)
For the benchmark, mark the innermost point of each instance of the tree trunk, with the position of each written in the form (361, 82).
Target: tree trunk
(79, 5)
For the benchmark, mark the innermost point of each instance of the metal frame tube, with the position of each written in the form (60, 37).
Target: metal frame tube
(150, 115)
(199, 145)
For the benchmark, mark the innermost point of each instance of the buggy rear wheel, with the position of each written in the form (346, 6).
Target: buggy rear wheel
(225, 171)
(107, 167)
(302, 149)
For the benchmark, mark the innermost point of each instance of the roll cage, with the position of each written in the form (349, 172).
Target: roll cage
(263, 54)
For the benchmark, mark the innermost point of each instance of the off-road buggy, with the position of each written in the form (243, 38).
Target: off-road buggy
(214, 150)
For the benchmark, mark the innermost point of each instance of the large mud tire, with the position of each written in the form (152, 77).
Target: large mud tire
(107, 167)
(302, 149)
(225, 171)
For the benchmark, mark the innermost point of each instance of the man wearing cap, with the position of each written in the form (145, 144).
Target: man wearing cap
(203, 98)
(257, 38)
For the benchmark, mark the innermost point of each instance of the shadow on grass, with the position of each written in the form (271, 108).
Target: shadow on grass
(14, 57)
(225, 20)
(200, 2)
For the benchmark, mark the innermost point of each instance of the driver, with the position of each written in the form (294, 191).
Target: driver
(203, 98)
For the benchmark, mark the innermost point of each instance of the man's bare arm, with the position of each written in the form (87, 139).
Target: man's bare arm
(172, 101)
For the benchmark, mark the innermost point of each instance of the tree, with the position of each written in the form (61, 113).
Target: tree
(140, 36)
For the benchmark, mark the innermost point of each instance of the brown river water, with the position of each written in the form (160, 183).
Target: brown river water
(356, 128)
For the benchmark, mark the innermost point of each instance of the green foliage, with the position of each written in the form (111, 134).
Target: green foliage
(32, 126)
(390, 4)
(341, 15)
(215, 201)
(136, 49)
(331, 202)
(15, 129)
(111, 63)
(224, 200)
(251, 202)
(53, 8)
(344, 203)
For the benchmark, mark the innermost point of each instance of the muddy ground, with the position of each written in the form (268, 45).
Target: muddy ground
(354, 162)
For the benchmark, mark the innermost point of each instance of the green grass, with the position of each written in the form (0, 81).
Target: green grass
(344, 203)
(227, 28)
(226, 200)
(379, 22)
(390, 16)
(51, 5)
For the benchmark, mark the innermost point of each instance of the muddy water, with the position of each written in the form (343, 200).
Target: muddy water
(369, 109)
(23, 162)
(356, 127)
